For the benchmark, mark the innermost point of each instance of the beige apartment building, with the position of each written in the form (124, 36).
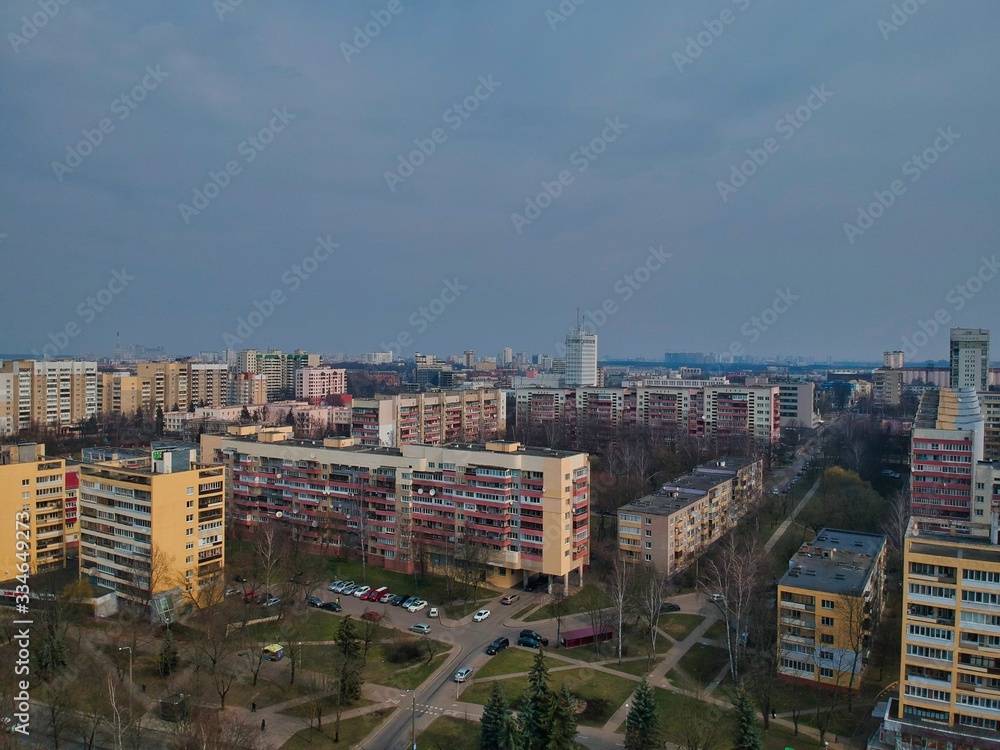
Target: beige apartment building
(118, 392)
(54, 393)
(208, 384)
(673, 527)
(32, 498)
(164, 384)
(433, 418)
(513, 510)
(152, 528)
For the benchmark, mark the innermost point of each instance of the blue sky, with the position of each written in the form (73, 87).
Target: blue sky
(467, 146)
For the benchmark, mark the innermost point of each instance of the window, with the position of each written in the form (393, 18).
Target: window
(649, 545)
(189, 545)
(190, 504)
(649, 558)
(826, 638)
(828, 621)
(826, 672)
(649, 532)
(189, 559)
(189, 532)
(649, 521)
(824, 654)
(827, 604)
(190, 490)
(189, 518)
(25, 482)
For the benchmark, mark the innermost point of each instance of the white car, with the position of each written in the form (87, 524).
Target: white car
(333, 586)
(421, 627)
(481, 615)
(463, 674)
(361, 590)
(716, 598)
(433, 612)
(418, 605)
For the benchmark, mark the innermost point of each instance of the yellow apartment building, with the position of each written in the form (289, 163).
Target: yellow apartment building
(35, 487)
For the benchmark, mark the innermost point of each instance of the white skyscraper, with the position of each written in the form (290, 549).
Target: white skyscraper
(970, 358)
(581, 358)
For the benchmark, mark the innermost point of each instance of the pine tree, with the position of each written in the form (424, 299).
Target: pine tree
(642, 731)
(245, 417)
(168, 657)
(159, 421)
(747, 733)
(537, 706)
(495, 712)
(562, 721)
(511, 734)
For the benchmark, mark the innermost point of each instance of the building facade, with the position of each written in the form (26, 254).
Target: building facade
(970, 358)
(152, 528)
(317, 382)
(33, 501)
(435, 418)
(829, 604)
(512, 510)
(887, 386)
(581, 359)
(52, 393)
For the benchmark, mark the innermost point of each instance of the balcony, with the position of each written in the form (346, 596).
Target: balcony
(797, 605)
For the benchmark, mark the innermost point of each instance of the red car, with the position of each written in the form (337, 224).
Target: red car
(371, 615)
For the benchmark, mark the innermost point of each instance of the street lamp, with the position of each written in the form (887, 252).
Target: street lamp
(413, 720)
(130, 691)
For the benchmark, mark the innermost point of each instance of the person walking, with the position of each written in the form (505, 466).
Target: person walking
(262, 725)
(253, 707)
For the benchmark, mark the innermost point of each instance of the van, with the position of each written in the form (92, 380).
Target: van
(497, 646)
(376, 595)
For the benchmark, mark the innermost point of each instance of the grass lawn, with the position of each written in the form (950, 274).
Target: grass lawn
(451, 733)
(352, 731)
(779, 737)
(702, 664)
(304, 710)
(265, 692)
(430, 587)
(678, 625)
(604, 692)
(716, 631)
(637, 667)
(524, 611)
(514, 661)
(313, 625)
(635, 643)
(405, 675)
(672, 710)
(459, 610)
(573, 604)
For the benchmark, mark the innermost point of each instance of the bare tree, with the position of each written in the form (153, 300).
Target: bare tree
(270, 553)
(215, 654)
(210, 730)
(652, 593)
(620, 588)
(895, 523)
(595, 606)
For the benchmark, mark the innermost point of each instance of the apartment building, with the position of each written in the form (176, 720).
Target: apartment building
(318, 382)
(581, 358)
(118, 392)
(970, 358)
(516, 510)
(887, 386)
(208, 384)
(672, 527)
(247, 388)
(893, 360)
(152, 527)
(32, 501)
(990, 404)
(433, 418)
(949, 681)
(829, 603)
(277, 367)
(55, 393)
(164, 385)
(796, 402)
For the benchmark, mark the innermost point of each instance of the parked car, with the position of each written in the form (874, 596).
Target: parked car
(386, 598)
(408, 601)
(271, 601)
(481, 615)
(534, 636)
(529, 585)
(399, 599)
(349, 589)
(670, 607)
(232, 592)
(463, 674)
(296, 577)
(510, 598)
(375, 595)
(433, 612)
(418, 605)
(240, 579)
(339, 588)
(333, 586)
(331, 606)
(371, 615)
(716, 598)
(497, 646)
(249, 596)
(361, 591)
(314, 601)
(421, 627)
(529, 642)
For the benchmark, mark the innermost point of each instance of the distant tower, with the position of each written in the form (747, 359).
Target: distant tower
(581, 357)
(970, 358)
(892, 360)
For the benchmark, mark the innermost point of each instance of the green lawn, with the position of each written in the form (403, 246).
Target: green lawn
(305, 710)
(430, 587)
(674, 710)
(460, 609)
(606, 692)
(698, 667)
(523, 611)
(678, 625)
(352, 731)
(638, 667)
(716, 631)
(264, 693)
(312, 625)
(514, 661)
(453, 734)
(573, 604)
(378, 670)
(635, 643)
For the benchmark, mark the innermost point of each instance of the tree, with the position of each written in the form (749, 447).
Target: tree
(747, 734)
(511, 734)
(642, 731)
(346, 670)
(537, 708)
(595, 605)
(290, 419)
(159, 424)
(168, 658)
(562, 721)
(651, 591)
(621, 589)
(495, 713)
(245, 417)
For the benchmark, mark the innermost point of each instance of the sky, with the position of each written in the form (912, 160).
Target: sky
(733, 176)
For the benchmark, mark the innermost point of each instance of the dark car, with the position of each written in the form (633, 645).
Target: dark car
(497, 646)
(533, 636)
(670, 607)
(314, 601)
(240, 579)
(331, 606)
(408, 601)
(529, 586)
(398, 600)
(529, 642)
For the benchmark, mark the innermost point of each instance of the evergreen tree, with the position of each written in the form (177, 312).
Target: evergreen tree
(495, 712)
(642, 731)
(562, 721)
(348, 663)
(168, 657)
(290, 419)
(537, 708)
(747, 733)
(245, 417)
(159, 421)
(511, 734)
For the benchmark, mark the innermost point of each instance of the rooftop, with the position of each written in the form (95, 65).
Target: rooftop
(836, 561)
(949, 409)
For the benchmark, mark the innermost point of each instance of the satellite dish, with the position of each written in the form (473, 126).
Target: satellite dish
(279, 514)
(315, 524)
(433, 492)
